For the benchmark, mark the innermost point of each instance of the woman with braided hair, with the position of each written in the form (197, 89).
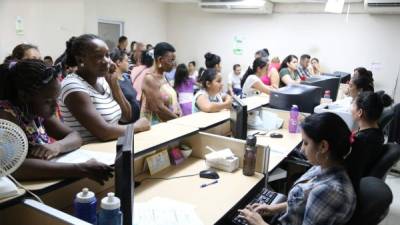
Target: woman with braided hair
(31, 93)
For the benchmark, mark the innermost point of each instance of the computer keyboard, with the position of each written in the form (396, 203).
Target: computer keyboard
(264, 197)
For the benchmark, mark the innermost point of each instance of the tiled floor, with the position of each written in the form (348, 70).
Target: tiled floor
(393, 218)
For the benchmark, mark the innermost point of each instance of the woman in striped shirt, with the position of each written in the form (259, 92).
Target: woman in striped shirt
(92, 102)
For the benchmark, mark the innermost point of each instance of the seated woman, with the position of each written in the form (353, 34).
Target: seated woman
(183, 85)
(252, 85)
(288, 72)
(92, 102)
(324, 195)
(315, 68)
(159, 100)
(272, 77)
(368, 140)
(120, 58)
(31, 97)
(251, 82)
(139, 72)
(362, 80)
(208, 99)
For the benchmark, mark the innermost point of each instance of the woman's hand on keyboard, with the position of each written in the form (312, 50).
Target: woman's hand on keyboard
(252, 217)
(263, 209)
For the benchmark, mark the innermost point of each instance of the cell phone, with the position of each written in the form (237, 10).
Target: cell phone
(276, 135)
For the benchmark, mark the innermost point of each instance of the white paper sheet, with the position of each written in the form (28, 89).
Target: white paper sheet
(161, 211)
(81, 155)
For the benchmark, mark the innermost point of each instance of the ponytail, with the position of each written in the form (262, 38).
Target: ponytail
(257, 63)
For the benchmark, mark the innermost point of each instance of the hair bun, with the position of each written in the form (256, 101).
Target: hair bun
(208, 56)
(385, 99)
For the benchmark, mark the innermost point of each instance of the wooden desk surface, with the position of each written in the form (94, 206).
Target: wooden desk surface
(157, 135)
(257, 101)
(202, 120)
(231, 187)
(160, 134)
(280, 145)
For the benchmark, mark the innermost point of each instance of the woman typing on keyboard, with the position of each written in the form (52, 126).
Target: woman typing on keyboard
(324, 195)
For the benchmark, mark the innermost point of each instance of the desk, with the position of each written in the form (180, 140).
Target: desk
(280, 145)
(255, 102)
(202, 120)
(233, 186)
(159, 135)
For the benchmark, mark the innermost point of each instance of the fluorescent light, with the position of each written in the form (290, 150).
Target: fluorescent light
(252, 3)
(334, 6)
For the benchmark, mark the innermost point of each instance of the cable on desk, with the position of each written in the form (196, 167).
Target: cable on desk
(168, 178)
(26, 189)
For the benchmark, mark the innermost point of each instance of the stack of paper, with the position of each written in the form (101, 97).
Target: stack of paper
(162, 211)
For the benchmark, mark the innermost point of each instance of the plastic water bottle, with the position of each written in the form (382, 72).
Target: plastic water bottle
(110, 213)
(327, 97)
(294, 119)
(85, 206)
(249, 163)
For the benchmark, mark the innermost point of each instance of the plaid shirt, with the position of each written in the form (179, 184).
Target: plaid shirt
(303, 71)
(320, 197)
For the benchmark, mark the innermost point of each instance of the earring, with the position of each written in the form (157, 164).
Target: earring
(82, 65)
(159, 65)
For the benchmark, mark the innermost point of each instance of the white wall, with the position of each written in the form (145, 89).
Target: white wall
(145, 20)
(339, 45)
(49, 23)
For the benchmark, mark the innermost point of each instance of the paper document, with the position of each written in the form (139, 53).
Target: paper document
(161, 211)
(81, 155)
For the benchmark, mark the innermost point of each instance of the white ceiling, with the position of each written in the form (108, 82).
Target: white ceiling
(274, 1)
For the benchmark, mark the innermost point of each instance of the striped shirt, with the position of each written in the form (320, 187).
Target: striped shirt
(104, 103)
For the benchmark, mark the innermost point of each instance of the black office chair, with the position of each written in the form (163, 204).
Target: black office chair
(386, 118)
(390, 156)
(374, 199)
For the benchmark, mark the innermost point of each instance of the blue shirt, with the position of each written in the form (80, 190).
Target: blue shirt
(320, 197)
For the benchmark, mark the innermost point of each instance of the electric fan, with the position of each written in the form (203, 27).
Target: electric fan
(13, 150)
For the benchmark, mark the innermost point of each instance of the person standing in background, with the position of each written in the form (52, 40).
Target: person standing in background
(183, 85)
(138, 72)
(194, 74)
(48, 60)
(122, 43)
(159, 100)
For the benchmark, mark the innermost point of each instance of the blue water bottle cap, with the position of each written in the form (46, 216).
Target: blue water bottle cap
(295, 107)
(110, 202)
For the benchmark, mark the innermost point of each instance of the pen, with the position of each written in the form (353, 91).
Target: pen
(205, 185)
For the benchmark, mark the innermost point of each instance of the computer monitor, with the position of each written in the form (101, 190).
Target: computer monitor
(344, 76)
(124, 174)
(306, 97)
(330, 83)
(238, 119)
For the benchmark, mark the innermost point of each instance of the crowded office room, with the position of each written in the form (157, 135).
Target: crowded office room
(199, 112)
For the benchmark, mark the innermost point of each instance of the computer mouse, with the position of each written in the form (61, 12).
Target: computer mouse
(276, 135)
(210, 174)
